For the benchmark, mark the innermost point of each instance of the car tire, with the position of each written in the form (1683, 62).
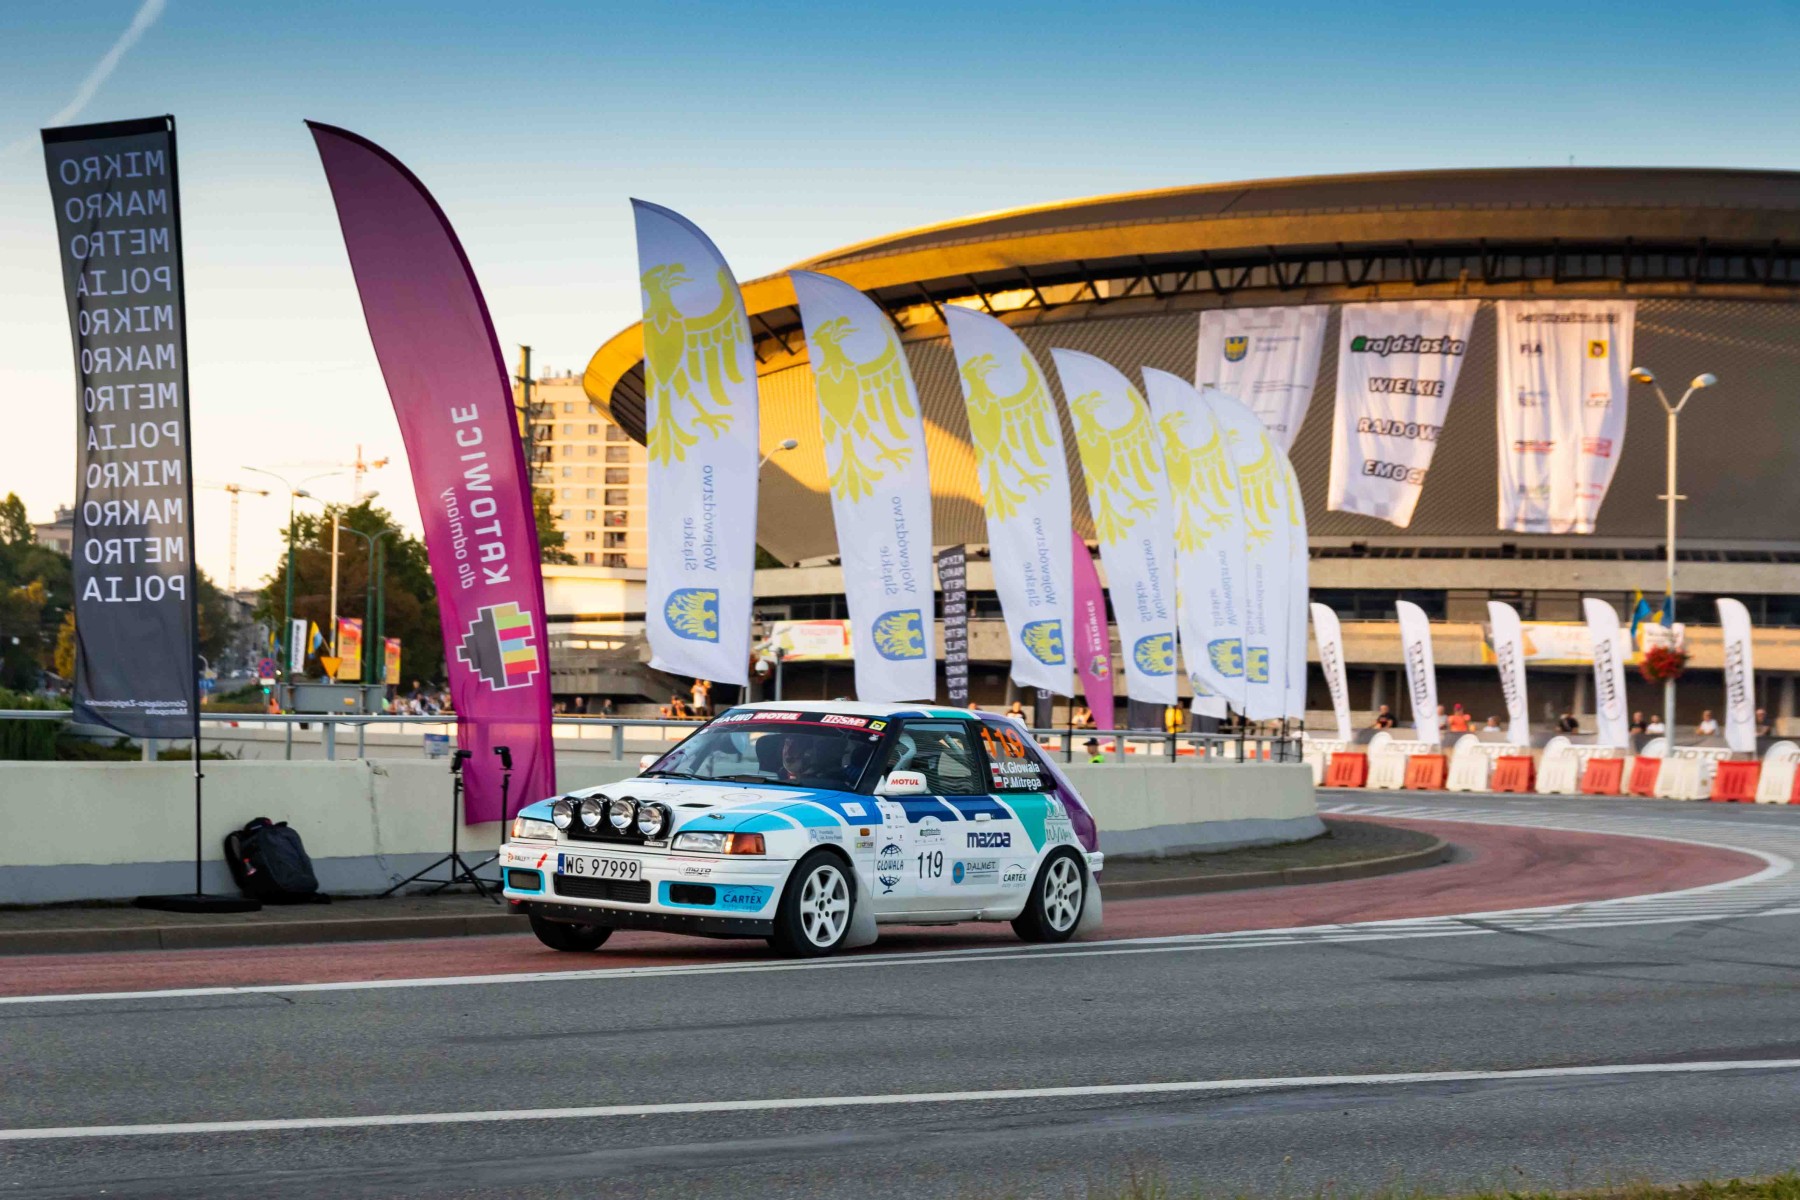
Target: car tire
(813, 918)
(1057, 899)
(561, 935)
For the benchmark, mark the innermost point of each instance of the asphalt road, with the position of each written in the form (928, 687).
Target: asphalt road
(1553, 1052)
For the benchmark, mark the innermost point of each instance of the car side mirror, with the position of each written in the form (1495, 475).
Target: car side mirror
(646, 761)
(903, 783)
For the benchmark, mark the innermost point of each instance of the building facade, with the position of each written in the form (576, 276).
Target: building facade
(593, 471)
(1712, 258)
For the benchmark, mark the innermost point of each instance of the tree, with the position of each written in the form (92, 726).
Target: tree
(65, 646)
(15, 525)
(551, 540)
(36, 592)
(411, 596)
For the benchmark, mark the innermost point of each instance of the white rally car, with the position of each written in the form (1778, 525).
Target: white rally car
(810, 824)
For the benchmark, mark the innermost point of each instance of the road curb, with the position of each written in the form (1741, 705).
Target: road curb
(251, 933)
(375, 929)
(1188, 885)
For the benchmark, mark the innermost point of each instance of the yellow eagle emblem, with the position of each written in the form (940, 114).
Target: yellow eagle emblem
(682, 356)
(1010, 433)
(1258, 484)
(858, 402)
(1200, 482)
(1120, 464)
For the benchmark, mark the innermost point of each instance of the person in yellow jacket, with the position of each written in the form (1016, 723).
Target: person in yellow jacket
(1174, 719)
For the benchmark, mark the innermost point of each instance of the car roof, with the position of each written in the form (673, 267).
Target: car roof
(859, 708)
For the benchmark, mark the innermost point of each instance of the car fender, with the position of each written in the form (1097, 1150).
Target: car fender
(1091, 910)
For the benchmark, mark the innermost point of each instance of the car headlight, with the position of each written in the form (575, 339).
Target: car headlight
(707, 842)
(562, 813)
(652, 820)
(591, 808)
(527, 829)
(621, 812)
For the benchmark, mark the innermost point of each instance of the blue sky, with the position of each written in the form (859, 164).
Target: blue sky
(783, 130)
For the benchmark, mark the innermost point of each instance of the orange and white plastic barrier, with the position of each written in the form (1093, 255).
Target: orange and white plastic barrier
(1426, 772)
(1513, 773)
(1603, 776)
(1780, 774)
(1646, 769)
(1735, 781)
(1347, 769)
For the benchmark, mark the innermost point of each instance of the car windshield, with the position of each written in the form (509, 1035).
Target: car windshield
(792, 749)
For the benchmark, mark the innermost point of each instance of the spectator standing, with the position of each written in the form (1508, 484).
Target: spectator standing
(1081, 718)
(1707, 726)
(1092, 746)
(1492, 726)
(1384, 719)
(1459, 720)
(1174, 719)
(1568, 724)
(1637, 723)
(1763, 728)
(702, 697)
(1655, 728)
(1016, 710)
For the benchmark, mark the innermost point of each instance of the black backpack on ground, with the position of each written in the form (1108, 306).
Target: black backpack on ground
(269, 863)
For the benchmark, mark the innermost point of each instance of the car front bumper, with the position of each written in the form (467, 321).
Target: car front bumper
(730, 896)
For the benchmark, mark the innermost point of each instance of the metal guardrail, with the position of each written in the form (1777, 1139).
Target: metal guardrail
(1122, 745)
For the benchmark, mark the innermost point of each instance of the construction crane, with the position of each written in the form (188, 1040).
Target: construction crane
(236, 490)
(357, 468)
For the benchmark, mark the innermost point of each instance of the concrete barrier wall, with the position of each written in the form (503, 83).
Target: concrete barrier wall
(82, 831)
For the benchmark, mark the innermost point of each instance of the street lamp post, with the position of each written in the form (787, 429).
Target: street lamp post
(1643, 376)
(374, 602)
(295, 492)
(783, 444)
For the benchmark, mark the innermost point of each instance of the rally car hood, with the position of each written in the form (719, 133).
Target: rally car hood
(733, 807)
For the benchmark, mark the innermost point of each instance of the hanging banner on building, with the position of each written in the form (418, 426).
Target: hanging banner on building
(1298, 591)
(1266, 357)
(1613, 723)
(700, 421)
(1128, 494)
(824, 640)
(349, 649)
(1262, 498)
(1508, 636)
(453, 398)
(1025, 492)
(1421, 670)
(1330, 636)
(953, 584)
(1093, 643)
(1397, 369)
(1209, 540)
(1564, 367)
(118, 233)
(390, 662)
(880, 489)
(1740, 676)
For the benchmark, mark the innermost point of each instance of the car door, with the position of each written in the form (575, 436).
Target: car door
(917, 864)
(1026, 788)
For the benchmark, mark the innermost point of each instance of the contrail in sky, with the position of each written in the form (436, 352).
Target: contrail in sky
(147, 15)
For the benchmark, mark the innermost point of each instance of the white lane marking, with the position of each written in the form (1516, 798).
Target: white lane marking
(1769, 892)
(777, 1104)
